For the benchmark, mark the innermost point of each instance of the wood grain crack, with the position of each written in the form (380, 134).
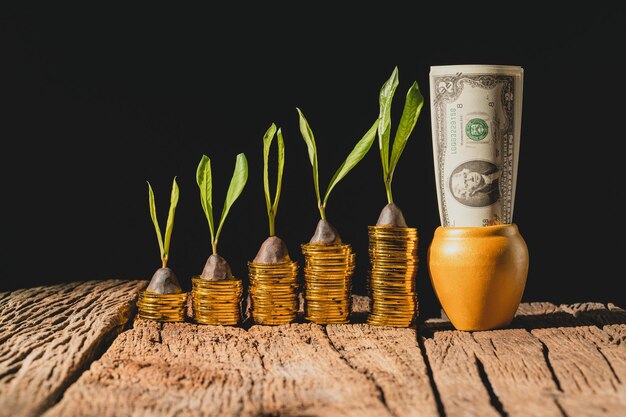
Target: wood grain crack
(368, 375)
(610, 365)
(429, 372)
(546, 356)
(493, 397)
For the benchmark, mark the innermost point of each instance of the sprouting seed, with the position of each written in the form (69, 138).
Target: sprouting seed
(391, 215)
(273, 250)
(216, 267)
(325, 232)
(164, 280)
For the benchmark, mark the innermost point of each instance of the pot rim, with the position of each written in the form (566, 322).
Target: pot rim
(509, 229)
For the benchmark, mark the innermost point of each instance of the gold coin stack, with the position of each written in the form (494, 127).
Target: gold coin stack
(274, 292)
(393, 267)
(216, 302)
(328, 282)
(162, 307)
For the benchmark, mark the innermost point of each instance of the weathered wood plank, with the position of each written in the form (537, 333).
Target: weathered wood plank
(592, 405)
(583, 354)
(589, 383)
(457, 375)
(514, 363)
(48, 335)
(305, 376)
(612, 321)
(360, 305)
(392, 359)
(587, 359)
(170, 369)
(536, 309)
(551, 361)
(187, 369)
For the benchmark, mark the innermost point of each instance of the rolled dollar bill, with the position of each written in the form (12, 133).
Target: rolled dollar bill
(476, 114)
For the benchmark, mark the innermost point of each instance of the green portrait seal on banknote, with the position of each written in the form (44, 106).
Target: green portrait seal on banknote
(476, 129)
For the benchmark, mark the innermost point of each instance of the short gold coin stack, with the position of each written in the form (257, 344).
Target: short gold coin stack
(328, 282)
(216, 302)
(273, 292)
(391, 280)
(162, 307)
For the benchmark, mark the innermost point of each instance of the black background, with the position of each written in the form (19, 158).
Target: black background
(96, 102)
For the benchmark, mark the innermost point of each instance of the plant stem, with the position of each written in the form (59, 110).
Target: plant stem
(322, 208)
(164, 261)
(272, 216)
(214, 246)
(388, 189)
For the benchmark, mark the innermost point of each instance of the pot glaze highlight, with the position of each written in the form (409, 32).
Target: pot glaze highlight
(478, 274)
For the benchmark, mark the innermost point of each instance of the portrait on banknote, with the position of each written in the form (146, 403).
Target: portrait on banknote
(475, 183)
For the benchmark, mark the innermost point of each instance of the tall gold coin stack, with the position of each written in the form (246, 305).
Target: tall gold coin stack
(216, 302)
(162, 307)
(328, 282)
(273, 292)
(393, 268)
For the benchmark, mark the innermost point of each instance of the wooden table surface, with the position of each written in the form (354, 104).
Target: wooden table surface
(78, 350)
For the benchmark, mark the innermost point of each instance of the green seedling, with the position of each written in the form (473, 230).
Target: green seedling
(164, 280)
(325, 232)
(391, 215)
(216, 267)
(273, 250)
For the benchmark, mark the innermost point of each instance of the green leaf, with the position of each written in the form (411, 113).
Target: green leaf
(237, 182)
(170, 217)
(267, 144)
(359, 151)
(155, 221)
(309, 139)
(384, 128)
(412, 108)
(272, 207)
(281, 167)
(205, 183)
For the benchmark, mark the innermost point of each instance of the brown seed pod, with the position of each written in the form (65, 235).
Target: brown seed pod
(325, 233)
(216, 269)
(164, 281)
(272, 251)
(391, 215)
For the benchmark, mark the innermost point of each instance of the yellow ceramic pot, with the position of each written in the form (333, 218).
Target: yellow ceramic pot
(478, 274)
